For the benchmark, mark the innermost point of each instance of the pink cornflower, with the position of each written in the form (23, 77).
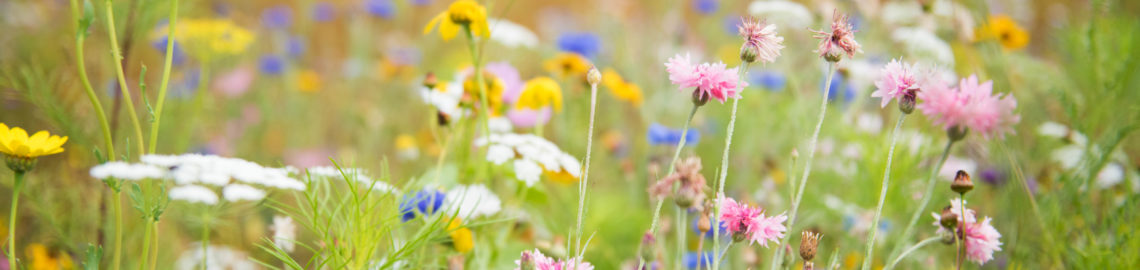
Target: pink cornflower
(760, 41)
(971, 106)
(900, 80)
(841, 39)
(692, 184)
(711, 80)
(982, 240)
(536, 260)
(744, 222)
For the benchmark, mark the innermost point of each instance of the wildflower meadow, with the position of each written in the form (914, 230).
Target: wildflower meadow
(570, 135)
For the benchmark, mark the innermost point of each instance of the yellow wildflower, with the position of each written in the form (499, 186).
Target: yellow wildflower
(460, 13)
(561, 176)
(16, 142)
(42, 258)
(206, 37)
(494, 90)
(540, 92)
(568, 65)
(308, 81)
(621, 89)
(461, 237)
(1005, 30)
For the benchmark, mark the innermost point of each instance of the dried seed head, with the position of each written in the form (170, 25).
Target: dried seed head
(956, 133)
(704, 224)
(949, 219)
(809, 243)
(962, 183)
(593, 76)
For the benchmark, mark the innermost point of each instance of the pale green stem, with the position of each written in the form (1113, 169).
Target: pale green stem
(147, 234)
(118, 256)
(682, 231)
(920, 244)
(724, 164)
(672, 164)
(930, 183)
(882, 195)
(584, 184)
(12, 217)
(205, 240)
(441, 158)
(479, 82)
(117, 57)
(165, 76)
(154, 256)
(807, 164)
(82, 66)
(958, 246)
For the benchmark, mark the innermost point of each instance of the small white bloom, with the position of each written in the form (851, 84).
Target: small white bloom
(782, 12)
(1110, 176)
(869, 123)
(240, 192)
(499, 125)
(217, 257)
(284, 232)
(923, 44)
(1069, 156)
(512, 34)
(356, 174)
(472, 202)
(535, 150)
(499, 154)
(901, 12)
(527, 171)
(1053, 130)
(126, 171)
(194, 194)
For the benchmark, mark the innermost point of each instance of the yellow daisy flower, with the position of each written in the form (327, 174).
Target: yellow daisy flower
(42, 258)
(461, 237)
(621, 89)
(460, 13)
(561, 176)
(568, 65)
(1005, 30)
(495, 88)
(540, 92)
(308, 81)
(22, 150)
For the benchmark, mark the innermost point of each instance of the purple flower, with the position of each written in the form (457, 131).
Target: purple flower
(271, 64)
(706, 6)
(323, 12)
(380, 8)
(584, 43)
(661, 135)
(277, 17)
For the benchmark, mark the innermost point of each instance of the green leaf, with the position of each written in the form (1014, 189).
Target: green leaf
(88, 18)
(92, 257)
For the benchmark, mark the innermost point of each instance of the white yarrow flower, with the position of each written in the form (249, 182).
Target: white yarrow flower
(527, 171)
(356, 174)
(284, 232)
(472, 202)
(512, 34)
(217, 257)
(531, 155)
(194, 194)
(782, 12)
(126, 171)
(240, 192)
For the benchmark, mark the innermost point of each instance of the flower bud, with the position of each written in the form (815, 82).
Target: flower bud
(956, 133)
(748, 53)
(646, 249)
(430, 81)
(704, 224)
(962, 183)
(833, 55)
(948, 218)
(947, 237)
(526, 261)
(809, 243)
(20, 164)
(700, 97)
(593, 76)
(907, 102)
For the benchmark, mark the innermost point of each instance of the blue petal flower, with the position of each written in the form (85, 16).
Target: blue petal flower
(706, 6)
(661, 135)
(768, 79)
(424, 202)
(271, 64)
(584, 43)
(693, 261)
(295, 46)
(380, 8)
(277, 17)
(839, 83)
(160, 45)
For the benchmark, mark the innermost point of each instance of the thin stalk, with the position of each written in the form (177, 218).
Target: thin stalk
(118, 56)
(82, 66)
(478, 68)
(882, 195)
(12, 216)
(117, 260)
(672, 164)
(165, 76)
(682, 231)
(441, 158)
(147, 234)
(724, 162)
(807, 164)
(958, 246)
(930, 183)
(205, 240)
(154, 256)
(585, 183)
(920, 244)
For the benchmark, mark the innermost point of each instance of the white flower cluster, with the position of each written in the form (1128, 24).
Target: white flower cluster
(217, 257)
(197, 177)
(472, 201)
(530, 154)
(512, 34)
(359, 175)
(284, 233)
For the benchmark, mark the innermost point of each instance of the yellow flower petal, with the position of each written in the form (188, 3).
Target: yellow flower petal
(434, 21)
(448, 30)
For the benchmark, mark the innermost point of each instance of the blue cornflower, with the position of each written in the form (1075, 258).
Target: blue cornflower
(271, 64)
(706, 6)
(768, 79)
(160, 45)
(424, 202)
(662, 135)
(295, 46)
(323, 12)
(694, 261)
(839, 83)
(277, 17)
(380, 8)
(584, 43)
(731, 24)
(421, 2)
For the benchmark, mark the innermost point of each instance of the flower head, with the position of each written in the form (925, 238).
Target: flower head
(16, 142)
(1005, 30)
(761, 41)
(982, 240)
(461, 237)
(709, 79)
(584, 43)
(535, 260)
(620, 88)
(284, 232)
(424, 201)
(539, 93)
(745, 222)
(532, 156)
(899, 81)
(209, 37)
(472, 201)
(568, 65)
(841, 40)
(687, 173)
(662, 135)
(460, 13)
(971, 105)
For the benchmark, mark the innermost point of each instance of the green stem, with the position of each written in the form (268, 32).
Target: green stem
(154, 256)
(165, 76)
(724, 164)
(118, 253)
(682, 230)
(920, 244)
(441, 158)
(12, 216)
(205, 240)
(94, 99)
(672, 164)
(930, 183)
(585, 183)
(483, 98)
(958, 246)
(882, 195)
(118, 56)
(807, 164)
(147, 234)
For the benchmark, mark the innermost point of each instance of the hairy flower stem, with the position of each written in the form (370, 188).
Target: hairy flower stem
(807, 165)
(165, 76)
(920, 244)
(118, 56)
(585, 183)
(12, 217)
(724, 164)
(672, 165)
(882, 196)
(930, 183)
(682, 228)
(960, 235)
